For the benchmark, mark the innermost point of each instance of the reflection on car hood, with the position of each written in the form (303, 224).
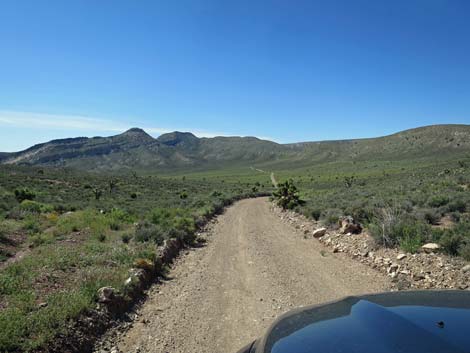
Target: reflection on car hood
(405, 322)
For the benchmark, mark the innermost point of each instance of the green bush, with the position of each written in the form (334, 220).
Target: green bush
(3, 236)
(457, 206)
(174, 222)
(146, 231)
(456, 241)
(315, 214)
(411, 242)
(464, 251)
(32, 224)
(391, 228)
(451, 242)
(24, 194)
(36, 207)
(438, 201)
(432, 217)
(126, 238)
(331, 216)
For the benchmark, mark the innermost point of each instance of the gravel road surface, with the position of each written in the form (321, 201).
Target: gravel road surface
(253, 268)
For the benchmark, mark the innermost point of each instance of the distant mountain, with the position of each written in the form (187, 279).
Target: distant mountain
(135, 149)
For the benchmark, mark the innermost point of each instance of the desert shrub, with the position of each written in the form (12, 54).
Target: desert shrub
(126, 238)
(3, 235)
(315, 214)
(411, 241)
(216, 193)
(451, 242)
(39, 239)
(146, 231)
(52, 217)
(218, 206)
(175, 222)
(101, 237)
(117, 217)
(32, 224)
(331, 216)
(311, 213)
(120, 215)
(24, 194)
(392, 228)
(457, 206)
(184, 228)
(455, 216)
(456, 241)
(207, 211)
(432, 217)
(36, 207)
(464, 251)
(60, 208)
(287, 195)
(438, 201)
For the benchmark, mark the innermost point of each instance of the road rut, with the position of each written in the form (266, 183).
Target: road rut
(253, 268)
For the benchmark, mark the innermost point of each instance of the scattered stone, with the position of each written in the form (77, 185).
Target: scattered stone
(348, 225)
(430, 248)
(42, 305)
(318, 233)
(401, 256)
(393, 268)
(418, 277)
(427, 269)
(106, 294)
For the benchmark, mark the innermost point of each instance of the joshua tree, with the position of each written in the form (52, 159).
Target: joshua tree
(287, 195)
(97, 192)
(348, 181)
(112, 185)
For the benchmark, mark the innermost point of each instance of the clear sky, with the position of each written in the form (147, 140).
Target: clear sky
(285, 70)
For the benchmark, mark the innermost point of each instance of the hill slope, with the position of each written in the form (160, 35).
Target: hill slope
(135, 149)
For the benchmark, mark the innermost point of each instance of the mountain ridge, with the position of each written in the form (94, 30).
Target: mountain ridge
(135, 149)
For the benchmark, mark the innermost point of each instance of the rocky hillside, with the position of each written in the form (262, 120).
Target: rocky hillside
(135, 149)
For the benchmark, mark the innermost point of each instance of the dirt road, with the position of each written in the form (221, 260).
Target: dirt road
(224, 295)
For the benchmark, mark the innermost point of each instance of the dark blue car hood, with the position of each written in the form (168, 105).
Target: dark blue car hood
(404, 322)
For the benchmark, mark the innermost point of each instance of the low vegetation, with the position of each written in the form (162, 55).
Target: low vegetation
(63, 242)
(402, 204)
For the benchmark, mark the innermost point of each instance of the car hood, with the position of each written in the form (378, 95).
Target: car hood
(405, 322)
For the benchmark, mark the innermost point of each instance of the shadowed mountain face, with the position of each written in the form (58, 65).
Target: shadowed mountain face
(135, 149)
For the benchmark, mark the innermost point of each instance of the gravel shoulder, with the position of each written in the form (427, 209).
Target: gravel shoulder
(253, 268)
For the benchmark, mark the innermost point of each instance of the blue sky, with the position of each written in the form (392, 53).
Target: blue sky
(285, 70)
